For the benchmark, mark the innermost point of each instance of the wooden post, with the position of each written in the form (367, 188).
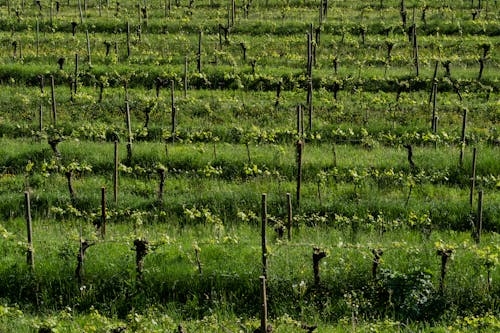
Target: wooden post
(76, 72)
(462, 138)
(434, 80)
(278, 94)
(37, 38)
(310, 104)
(290, 217)
(185, 76)
(103, 212)
(198, 58)
(50, 13)
(309, 55)
(479, 226)
(80, 10)
(40, 118)
(115, 175)
(174, 113)
(29, 253)
(53, 96)
(161, 173)
(129, 129)
(263, 235)
(415, 48)
(299, 120)
(233, 11)
(473, 177)
(300, 147)
(128, 39)
(88, 48)
(263, 307)
(434, 93)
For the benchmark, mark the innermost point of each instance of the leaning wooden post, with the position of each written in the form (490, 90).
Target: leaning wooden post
(473, 177)
(198, 58)
(415, 48)
(263, 306)
(103, 212)
(434, 93)
(434, 80)
(80, 10)
(290, 218)
(300, 147)
(29, 253)
(89, 57)
(263, 235)
(53, 97)
(479, 225)
(129, 129)
(462, 138)
(115, 175)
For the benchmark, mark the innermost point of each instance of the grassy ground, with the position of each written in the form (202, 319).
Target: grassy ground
(400, 242)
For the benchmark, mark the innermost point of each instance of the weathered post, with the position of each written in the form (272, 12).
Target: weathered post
(128, 39)
(115, 174)
(299, 120)
(103, 212)
(263, 307)
(185, 76)
(89, 57)
(29, 252)
(37, 38)
(129, 130)
(473, 177)
(53, 98)
(462, 138)
(162, 175)
(300, 147)
(310, 104)
(263, 234)
(174, 110)
(198, 57)
(290, 217)
(76, 73)
(479, 223)
(434, 93)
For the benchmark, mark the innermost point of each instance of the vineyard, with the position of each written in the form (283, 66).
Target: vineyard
(249, 166)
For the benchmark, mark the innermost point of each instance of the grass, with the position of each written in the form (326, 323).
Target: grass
(234, 140)
(230, 265)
